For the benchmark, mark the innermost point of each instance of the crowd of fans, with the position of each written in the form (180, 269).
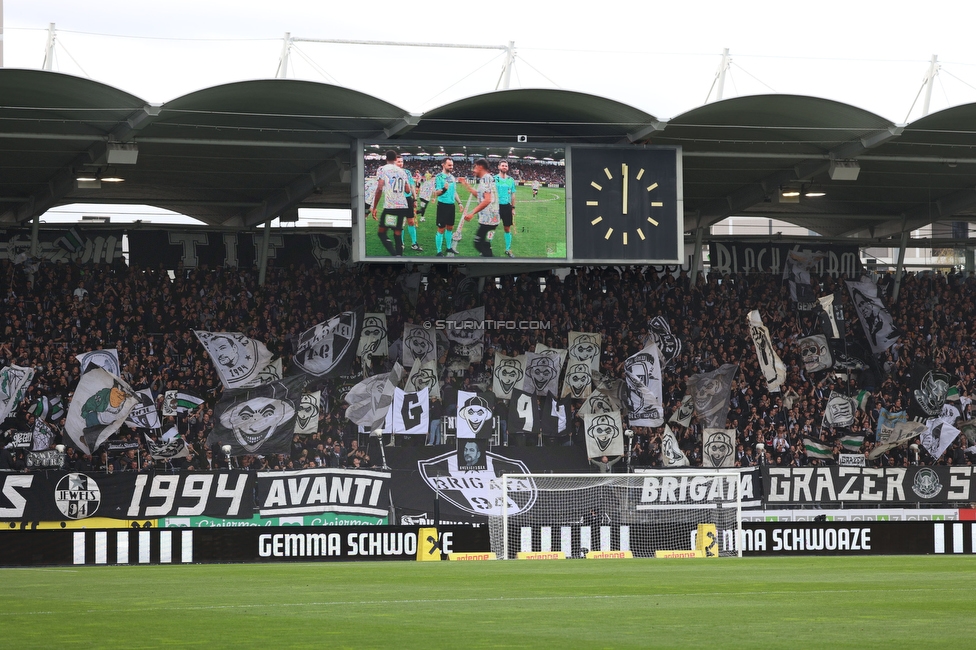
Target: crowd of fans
(62, 310)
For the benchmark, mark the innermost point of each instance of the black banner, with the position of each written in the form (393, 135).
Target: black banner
(61, 496)
(98, 246)
(232, 545)
(731, 257)
(868, 486)
(466, 496)
(193, 248)
(857, 538)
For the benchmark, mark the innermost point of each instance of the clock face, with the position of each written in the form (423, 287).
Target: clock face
(626, 205)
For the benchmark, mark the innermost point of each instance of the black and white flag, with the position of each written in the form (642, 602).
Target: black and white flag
(773, 368)
(557, 354)
(582, 362)
(239, 360)
(47, 408)
(21, 440)
(176, 448)
(718, 447)
(671, 454)
(642, 372)
(937, 437)
(683, 414)
(667, 342)
(419, 344)
(474, 415)
(604, 435)
(710, 392)
(815, 353)
(328, 350)
(840, 410)
(541, 374)
(144, 414)
(423, 376)
(465, 327)
(369, 400)
(508, 374)
(14, 381)
(100, 406)
(409, 413)
(373, 342)
(259, 419)
(929, 390)
(797, 269)
(878, 326)
(307, 418)
(524, 415)
(832, 317)
(600, 402)
(43, 436)
(105, 359)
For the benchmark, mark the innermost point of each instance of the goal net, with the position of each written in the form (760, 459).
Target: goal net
(641, 513)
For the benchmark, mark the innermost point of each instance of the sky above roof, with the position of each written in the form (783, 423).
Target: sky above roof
(661, 58)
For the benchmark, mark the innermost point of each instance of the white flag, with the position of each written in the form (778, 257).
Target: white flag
(474, 416)
(773, 368)
(718, 448)
(14, 381)
(373, 342)
(424, 376)
(106, 359)
(100, 405)
(508, 374)
(840, 410)
(815, 353)
(682, 415)
(604, 435)
(671, 454)
(238, 359)
(541, 374)
(582, 362)
(937, 437)
(642, 372)
(409, 413)
(419, 344)
(144, 414)
(307, 416)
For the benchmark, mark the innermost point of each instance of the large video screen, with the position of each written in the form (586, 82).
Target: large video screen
(460, 203)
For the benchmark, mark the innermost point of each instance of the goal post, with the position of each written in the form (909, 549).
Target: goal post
(642, 513)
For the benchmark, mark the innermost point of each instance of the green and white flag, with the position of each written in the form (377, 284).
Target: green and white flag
(861, 399)
(851, 442)
(14, 380)
(47, 408)
(179, 402)
(100, 405)
(816, 449)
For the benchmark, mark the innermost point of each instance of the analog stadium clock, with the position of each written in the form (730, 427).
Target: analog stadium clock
(627, 204)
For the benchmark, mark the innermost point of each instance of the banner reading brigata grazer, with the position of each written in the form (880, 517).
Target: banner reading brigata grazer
(867, 486)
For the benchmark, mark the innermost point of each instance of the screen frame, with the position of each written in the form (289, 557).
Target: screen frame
(679, 244)
(360, 219)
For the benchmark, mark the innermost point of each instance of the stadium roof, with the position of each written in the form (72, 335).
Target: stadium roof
(242, 153)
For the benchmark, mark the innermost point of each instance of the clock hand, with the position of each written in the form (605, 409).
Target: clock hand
(623, 171)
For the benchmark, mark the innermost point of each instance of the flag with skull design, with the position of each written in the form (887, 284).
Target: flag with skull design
(710, 392)
(815, 353)
(718, 448)
(642, 372)
(508, 374)
(582, 361)
(929, 390)
(604, 435)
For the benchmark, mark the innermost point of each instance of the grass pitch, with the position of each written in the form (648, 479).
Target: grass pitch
(539, 230)
(756, 603)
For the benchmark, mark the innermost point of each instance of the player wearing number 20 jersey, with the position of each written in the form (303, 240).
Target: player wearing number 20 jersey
(393, 184)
